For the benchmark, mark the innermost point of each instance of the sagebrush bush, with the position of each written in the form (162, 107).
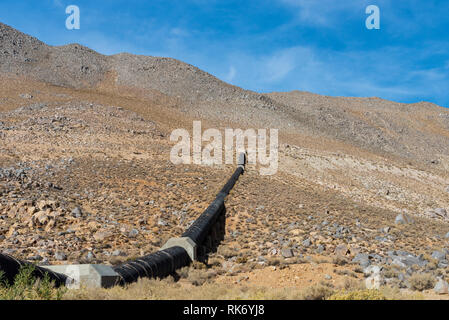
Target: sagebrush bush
(358, 295)
(339, 261)
(421, 281)
(317, 292)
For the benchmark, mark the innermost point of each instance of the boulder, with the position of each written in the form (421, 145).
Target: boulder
(362, 259)
(406, 259)
(403, 218)
(441, 212)
(77, 212)
(287, 253)
(342, 250)
(374, 281)
(372, 270)
(102, 235)
(441, 287)
(439, 255)
(133, 233)
(60, 256)
(307, 243)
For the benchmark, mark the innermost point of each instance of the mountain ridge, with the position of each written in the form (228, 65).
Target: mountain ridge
(371, 123)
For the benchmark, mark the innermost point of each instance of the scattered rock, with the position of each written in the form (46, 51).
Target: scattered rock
(403, 218)
(77, 212)
(438, 255)
(441, 287)
(320, 248)
(342, 250)
(90, 256)
(60, 256)
(306, 243)
(441, 212)
(406, 259)
(287, 253)
(133, 233)
(102, 235)
(117, 253)
(373, 269)
(26, 96)
(374, 281)
(35, 258)
(362, 259)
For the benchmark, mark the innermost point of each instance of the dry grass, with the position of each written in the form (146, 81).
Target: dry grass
(167, 289)
(358, 295)
(196, 286)
(422, 281)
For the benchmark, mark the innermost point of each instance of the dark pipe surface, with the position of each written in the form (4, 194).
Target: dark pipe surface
(165, 262)
(11, 267)
(156, 265)
(201, 227)
(231, 182)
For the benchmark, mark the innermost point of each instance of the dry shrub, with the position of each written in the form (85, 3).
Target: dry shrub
(390, 272)
(198, 265)
(226, 251)
(358, 295)
(183, 273)
(358, 269)
(339, 261)
(199, 277)
(150, 289)
(320, 260)
(273, 261)
(317, 292)
(241, 260)
(421, 281)
(345, 273)
(215, 262)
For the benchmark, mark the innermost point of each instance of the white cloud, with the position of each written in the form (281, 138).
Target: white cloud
(325, 12)
(231, 74)
(279, 65)
(58, 3)
(391, 73)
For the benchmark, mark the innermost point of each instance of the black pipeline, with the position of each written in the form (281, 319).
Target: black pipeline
(156, 265)
(165, 262)
(10, 267)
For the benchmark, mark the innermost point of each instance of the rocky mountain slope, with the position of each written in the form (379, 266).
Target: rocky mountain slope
(413, 131)
(85, 174)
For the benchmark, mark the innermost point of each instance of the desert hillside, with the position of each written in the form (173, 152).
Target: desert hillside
(85, 173)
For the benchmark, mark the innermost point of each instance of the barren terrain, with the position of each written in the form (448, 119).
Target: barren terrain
(85, 173)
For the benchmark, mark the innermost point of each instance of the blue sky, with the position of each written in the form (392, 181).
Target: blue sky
(321, 46)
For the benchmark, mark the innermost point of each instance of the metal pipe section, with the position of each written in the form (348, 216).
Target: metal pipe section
(231, 182)
(11, 267)
(165, 262)
(156, 265)
(201, 227)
